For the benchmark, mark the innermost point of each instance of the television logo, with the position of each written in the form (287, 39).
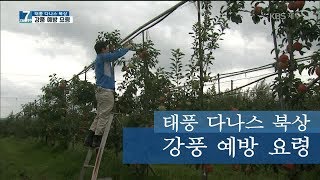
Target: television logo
(290, 15)
(45, 17)
(283, 16)
(25, 16)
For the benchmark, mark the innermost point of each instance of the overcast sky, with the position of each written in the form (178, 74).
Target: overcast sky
(31, 52)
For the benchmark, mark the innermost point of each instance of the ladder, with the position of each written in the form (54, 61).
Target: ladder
(99, 151)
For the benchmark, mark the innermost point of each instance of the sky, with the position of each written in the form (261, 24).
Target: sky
(32, 52)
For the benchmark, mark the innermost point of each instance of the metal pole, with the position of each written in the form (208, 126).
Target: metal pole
(277, 57)
(200, 56)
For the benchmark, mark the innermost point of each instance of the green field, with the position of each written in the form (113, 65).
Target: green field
(25, 159)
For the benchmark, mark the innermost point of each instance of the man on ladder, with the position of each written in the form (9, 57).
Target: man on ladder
(105, 82)
(100, 127)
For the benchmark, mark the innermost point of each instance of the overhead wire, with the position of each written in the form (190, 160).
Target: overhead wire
(270, 75)
(210, 83)
(268, 66)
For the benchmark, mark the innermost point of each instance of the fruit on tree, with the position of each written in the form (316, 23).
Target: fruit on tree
(257, 10)
(299, 4)
(318, 71)
(302, 88)
(284, 58)
(143, 54)
(282, 65)
(292, 6)
(62, 84)
(297, 46)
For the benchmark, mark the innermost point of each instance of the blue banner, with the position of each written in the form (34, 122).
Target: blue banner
(143, 146)
(50, 13)
(237, 121)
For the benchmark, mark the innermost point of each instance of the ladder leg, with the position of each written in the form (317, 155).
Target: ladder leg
(86, 162)
(101, 149)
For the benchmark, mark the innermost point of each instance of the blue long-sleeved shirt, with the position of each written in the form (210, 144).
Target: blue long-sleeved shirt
(103, 68)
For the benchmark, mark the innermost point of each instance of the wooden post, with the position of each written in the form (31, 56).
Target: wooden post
(219, 83)
(231, 85)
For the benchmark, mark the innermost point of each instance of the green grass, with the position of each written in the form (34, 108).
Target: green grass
(26, 159)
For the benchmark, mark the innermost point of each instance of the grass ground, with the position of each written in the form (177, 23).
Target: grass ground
(24, 159)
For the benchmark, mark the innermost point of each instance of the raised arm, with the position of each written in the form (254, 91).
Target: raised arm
(112, 56)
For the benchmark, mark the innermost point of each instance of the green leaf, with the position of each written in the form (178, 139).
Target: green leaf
(301, 53)
(308, 44)
(308, 9)
(272, 50)
(300, 70)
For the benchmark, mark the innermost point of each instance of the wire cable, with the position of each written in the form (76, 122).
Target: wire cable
(241, 79)
(268, 66)
(263, 67)
(247, 84)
